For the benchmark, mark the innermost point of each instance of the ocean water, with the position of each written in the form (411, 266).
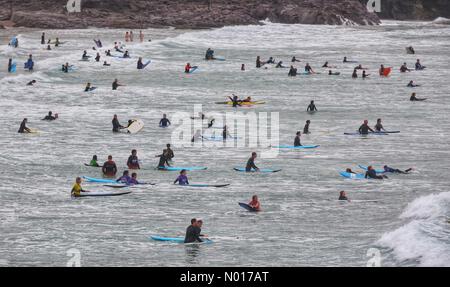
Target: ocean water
(302, 223)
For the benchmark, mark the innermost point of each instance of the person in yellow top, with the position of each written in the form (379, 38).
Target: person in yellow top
(76, 189)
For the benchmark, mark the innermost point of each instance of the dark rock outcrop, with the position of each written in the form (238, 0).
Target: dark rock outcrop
(413, 9)
(183, 13)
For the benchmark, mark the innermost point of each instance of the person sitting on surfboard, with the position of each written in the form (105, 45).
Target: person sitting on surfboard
(77, 189)
(93, 161)
(311, 107)
(140, 65)
(364, 128)
(306, 127)
(251, 163)
(412, 85)
(209, 54)
(23, 127)
(164, 122)
(125, 178)
(419, 65)
(413, 98)
(187, 68)
(297, 139)
(133, 161)
(50, 117)
(342, 195)
(255, 204)
(182, 178)
(308, 69)
(85, 56)
(371, 173)
(379, 127)
(404, 68)
(109, 168)
(116, 125)
(396, 170)
(193, 232)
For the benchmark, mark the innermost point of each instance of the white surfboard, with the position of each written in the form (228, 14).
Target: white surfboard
(136, 126)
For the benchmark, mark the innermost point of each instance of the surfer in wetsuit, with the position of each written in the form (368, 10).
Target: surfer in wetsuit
(187, 68)
(311, 107)
(193, 232)
(23, 127)
(364, 74)
(109, 168)
(169, 152)
(251, 163)
(182, 178)
(43, 38)
(364, 128)
(30, 83)
(164, 122)
(413, 98)
(412, 85)
(97, 58)
(10, 65)
(209, 54)
(126, 55)
(140, 65)
(343, 195)
(294, 60)
(306, 127)
(258, 62)
(270, 61)
(381, 70)
(133, 161)
(280, 65)
(410, 50)
(255, 204)
(89, 87)
(29, 64)
(379, 127)
(308, 69)
(419, 66)
(93, 161)
(297, 139)
(65, 68)
(116, 84)
(243, 67)
(211, 123)
(163, 160)
(404, 68)
(371, 173)
(50, 117)
(108, 53)
(292, 72)
(116, 125)
(225, 133)
(125, 178)
(85, 56)
(355, 74)
(396, 170)
(349, 170)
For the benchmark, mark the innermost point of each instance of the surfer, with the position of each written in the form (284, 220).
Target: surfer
(169, 152)
(396, 170)
(255, 204)
(10, 65)
(297, 139)
(258, 62)
(85, 56)
(311, 107)
(29, 64)
(306, 127)
(419, 65)
(360, 67)
(97, 58)
(330, 73)
(343, 195)
(355, 74)
(293, 60)
(50, 117)
(381, 70)
(31, 83)
(364, 128)
(65, 68)
(243, 67)
(140, 65)
(116, 84)
(211, 123)
(209, 54)
(43, 38)
(77, 189)
(270, 61)
(93, 161)
(349, 170)
(412, 85)
(413, 98)
(133, 161)
(49, 48)
(364, 74)
(193, 232)
(23, 127)
(182, 178)
(126, 54)
(292, 72)
(371, 173)
(280, 65)
(410, 50)
(106, 64)
(133, 179)
(379, 127)
(108, 53)
(251, 163)
(57, 42)
(116, 125)
(163, 160)
(187, 68)
(125, 178)
(109, 168)
(404, 68)
(308, 69)
(131, 36)
(225, 133)
(164, 122)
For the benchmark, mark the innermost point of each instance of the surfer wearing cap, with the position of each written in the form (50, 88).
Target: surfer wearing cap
(251, 163)
(306, 127)
(297, 139)
(164, 122)
(343, 195)
(77, 189)
(23, 127)
(116, 125)
(396, 170)
(255, 204)
(182, 178)
(193, 232)
(133, 161)
(311, 107)
(379, 127)
(371, 173)
(109, 168)
(364, 128)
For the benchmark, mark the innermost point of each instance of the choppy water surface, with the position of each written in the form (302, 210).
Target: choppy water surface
(302, 222)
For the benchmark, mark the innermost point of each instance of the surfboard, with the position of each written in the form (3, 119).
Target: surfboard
(203, 185)
(103, 193)
(296, 147)
(173, 168)
(219, 59)
(135, 127)
(266, 170)
(100, 180)
(86, 164)
(247, 207)
(177, 239)
(370, 133)
(352, 175)
(387, 71)
(242, 103)
(13, 67)
(193, 69)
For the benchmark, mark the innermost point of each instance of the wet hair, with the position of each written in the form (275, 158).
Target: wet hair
(193, 220)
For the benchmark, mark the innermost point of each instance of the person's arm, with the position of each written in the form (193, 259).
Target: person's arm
(370, 129)
(160, 123)
(359, 130)
(176, 180)
(254, 166)
(366, 175)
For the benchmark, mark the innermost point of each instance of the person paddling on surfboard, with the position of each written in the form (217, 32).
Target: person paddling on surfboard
(23, 127)
(251, 163)
(116, 125)
(364, 128)
(125, 178)
(106, 64)
(133, 161)
(349, 170)
(109, 168)
(297, 139)
(193, 232)
(133, 179)
(371, 173)
(31, 83)
(182, 178)
(306, 128)
(93, 161)
(311, 107)
(77, 189)
(255, 204)
(164, 122)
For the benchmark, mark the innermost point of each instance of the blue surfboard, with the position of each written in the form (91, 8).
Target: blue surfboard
(266, 170)
(352, 175)
(296, 147)
(175, 239)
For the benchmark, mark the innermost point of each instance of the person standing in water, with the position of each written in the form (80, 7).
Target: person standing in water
(127, 37)
(243, 67)
(43, 38)
(343, 195)
(133, 161)
(116, 84)
(414, 98)
(164, 122)
(182, 178)
(93, 161)
(163, 160)
(379, 127)
(77, 189)
(141, 36)
(10, 65)
(109, 168)
(297, 139)
(50, 117)
(355, 74)
(251, 163)
(364, 128)
(169, 152)
(116, 125)
(193, 232)
(311, 107)
(306, 128)
(131, 36)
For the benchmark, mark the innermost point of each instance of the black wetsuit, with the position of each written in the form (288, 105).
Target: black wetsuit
(306, 129)
(250, 165)
(115, 85)
(140, 65)
(292, 72)
(379, 127)
(65, 69)
(109, 168)
(22, 128)
(169, 153)
(97, 58)
(164, 122)
(42, 39)
(343, 198)
(116, 125)
(163, 160)
(311, 108)
(372, 174)
(364, 129)
(297, 141)
(9, 66)
(49, 118)
(192, 234)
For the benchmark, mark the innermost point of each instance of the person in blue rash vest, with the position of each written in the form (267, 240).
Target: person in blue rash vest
(29, 64)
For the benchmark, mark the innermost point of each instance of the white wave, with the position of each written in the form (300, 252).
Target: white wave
(441, 21)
